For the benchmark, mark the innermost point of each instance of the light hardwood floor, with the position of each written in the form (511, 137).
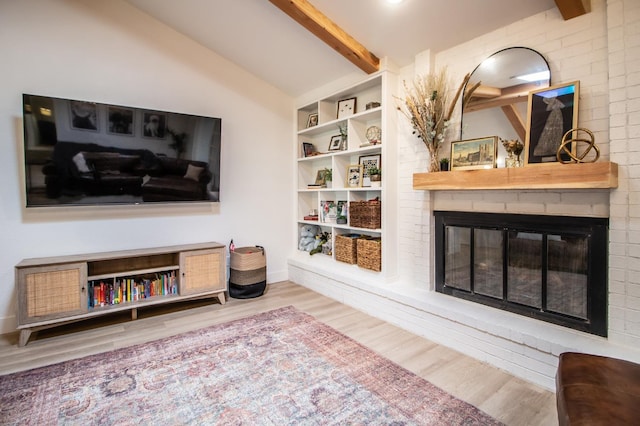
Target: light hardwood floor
(503, 396)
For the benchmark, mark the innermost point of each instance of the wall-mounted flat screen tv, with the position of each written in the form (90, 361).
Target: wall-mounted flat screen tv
(88, 153)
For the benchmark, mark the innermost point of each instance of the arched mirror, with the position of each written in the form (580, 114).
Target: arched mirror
(498, 107)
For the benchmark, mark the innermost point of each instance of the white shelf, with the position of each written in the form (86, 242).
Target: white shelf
(375, 88)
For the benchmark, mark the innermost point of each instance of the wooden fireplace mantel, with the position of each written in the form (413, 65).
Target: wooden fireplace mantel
(601, 175)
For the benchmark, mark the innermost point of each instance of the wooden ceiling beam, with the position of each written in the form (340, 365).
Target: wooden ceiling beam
(572, 8)
(326, 30)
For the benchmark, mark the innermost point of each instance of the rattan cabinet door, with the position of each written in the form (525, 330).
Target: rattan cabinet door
(51, 291)
(202, 271)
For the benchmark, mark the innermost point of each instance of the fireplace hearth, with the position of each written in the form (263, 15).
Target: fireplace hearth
(552, 268)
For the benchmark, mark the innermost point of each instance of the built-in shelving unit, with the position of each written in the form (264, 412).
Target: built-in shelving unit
(57, 290)
(373, 101)
(602, 175)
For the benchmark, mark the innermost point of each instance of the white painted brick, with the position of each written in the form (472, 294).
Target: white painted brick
(633, 303)
(633, 289)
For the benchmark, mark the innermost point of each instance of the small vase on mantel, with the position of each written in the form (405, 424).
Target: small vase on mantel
(434, 162)
(514, 148)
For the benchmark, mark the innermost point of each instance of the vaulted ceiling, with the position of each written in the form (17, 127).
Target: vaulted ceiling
(258, 36)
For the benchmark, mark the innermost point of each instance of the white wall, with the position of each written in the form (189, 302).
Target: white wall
(602, 50)
(110, 52)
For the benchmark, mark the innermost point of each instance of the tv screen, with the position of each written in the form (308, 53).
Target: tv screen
(85, 153)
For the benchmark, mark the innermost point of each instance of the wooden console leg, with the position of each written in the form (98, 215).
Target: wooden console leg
(134, 314)
(24, 337)
(221, 298)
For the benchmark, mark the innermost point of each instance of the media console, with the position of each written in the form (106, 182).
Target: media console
(57, 290)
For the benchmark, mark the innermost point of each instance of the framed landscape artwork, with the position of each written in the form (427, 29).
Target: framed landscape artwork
(551, 113)
(474, 154)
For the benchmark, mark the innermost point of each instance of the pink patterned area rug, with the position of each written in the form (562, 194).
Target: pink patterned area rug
(281, 367)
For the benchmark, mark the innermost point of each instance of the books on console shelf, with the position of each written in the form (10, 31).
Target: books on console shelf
(311, 217)
(122, 290)
(315, 186)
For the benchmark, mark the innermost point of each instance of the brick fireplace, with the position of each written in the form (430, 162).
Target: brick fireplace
(552, 268)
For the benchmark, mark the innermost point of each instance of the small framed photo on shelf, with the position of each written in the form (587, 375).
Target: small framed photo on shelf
(308, 149)
(367, 162)
(346, 107)
(474, 154)
(354, 176)
(551, 112)
(336, 143)
(321, 177)
(312, 121)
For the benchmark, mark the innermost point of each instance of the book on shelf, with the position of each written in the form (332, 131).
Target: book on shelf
(311, 217)
(315, 186)
(328, 211)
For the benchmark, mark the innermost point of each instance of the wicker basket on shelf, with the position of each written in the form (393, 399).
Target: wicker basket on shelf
(365, 214)
(346, 247)
(370, 253)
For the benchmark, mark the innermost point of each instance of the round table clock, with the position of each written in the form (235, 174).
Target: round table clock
(373, 135)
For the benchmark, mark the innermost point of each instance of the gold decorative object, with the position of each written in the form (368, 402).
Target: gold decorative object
(568, 142)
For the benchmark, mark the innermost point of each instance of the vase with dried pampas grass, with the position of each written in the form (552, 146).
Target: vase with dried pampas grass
(427, 107)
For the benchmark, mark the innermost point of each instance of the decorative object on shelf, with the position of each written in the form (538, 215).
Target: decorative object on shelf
(308, 149)
(308, 240)
(313, 215)
(354, 175)
(346, 248)
(365, 214)
(514, 148)
(323, 244)
(336, 143)
(369, 253)
(312, 121)
(343, 135)
(372, 105)
(368, 162)
(474, 154)
(568, 140)
(342, 212)
(375, 175)
(325, 177)
(373, 135)
(346, 108)
(551, 112)
(327, 250)
(444, 164)
(329, 211)
(426, 105)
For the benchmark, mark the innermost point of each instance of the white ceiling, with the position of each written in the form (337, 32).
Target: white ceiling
(260, 38)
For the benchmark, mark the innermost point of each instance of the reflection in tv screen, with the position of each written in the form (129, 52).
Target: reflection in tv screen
(88, 153)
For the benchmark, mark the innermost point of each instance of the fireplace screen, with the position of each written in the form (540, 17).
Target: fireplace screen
(551, 268)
